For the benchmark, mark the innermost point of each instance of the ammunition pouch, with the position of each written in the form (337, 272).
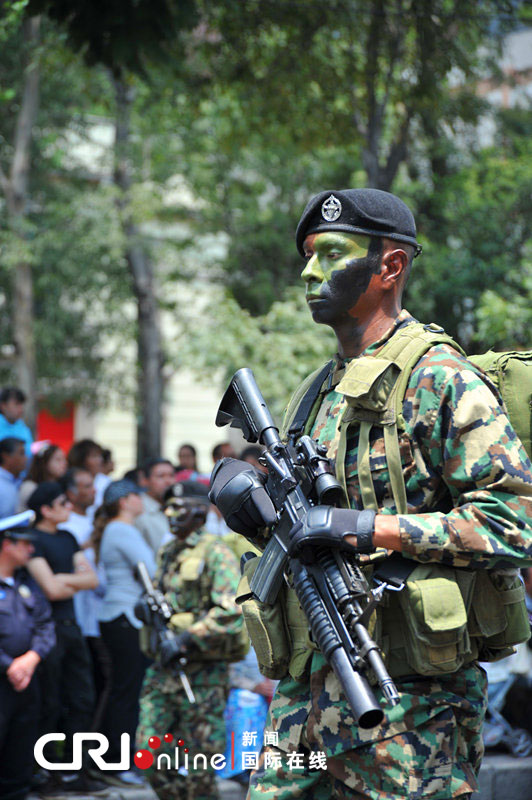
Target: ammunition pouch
(266, 626)
(434, 605)
(446, 618)
(500, 618)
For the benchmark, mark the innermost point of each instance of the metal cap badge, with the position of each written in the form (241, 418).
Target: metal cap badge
(331, 209)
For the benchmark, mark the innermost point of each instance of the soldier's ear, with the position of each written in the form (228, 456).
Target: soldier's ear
(394, 264)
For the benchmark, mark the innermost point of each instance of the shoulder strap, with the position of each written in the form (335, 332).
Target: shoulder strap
(300, 418)
(406, 348)
(200, 550)
(402, 351)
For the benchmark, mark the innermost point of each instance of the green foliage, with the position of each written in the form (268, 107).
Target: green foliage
(70, 233)
(118, 35)
(301, 96)
(281, 347)
(260, 106)
(474, 274)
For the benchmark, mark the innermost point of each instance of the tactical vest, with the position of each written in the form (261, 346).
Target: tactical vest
(196, 591)
(444, 617)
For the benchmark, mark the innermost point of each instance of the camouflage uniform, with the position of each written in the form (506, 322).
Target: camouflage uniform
(469, 490)
(201, 592)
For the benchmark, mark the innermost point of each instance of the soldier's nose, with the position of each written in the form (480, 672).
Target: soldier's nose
(312, 271)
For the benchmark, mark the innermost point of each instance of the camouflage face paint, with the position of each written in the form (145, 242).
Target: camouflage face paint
(338, 272)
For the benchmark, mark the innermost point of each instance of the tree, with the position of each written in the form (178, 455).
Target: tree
(481, 254)
(15, 187)
(301, 96)
(281, 347)
(124, 39)
(68, 235)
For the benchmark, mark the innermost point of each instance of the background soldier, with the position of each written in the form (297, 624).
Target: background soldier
(26, 637)
(457, 493)
(198, 575)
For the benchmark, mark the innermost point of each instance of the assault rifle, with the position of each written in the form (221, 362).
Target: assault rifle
(153, 610)
(330, 586)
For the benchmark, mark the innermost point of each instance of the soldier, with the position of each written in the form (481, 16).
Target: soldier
(198, 575)
(445, 482)
(26, 637)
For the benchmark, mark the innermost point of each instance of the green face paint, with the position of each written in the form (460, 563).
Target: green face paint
(338, 272)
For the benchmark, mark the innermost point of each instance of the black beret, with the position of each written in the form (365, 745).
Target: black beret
(188, 489)
(365, 211)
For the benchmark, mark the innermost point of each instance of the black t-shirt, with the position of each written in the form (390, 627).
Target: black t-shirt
(58, 550)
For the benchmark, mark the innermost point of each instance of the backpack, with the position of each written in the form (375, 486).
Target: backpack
(511, 372)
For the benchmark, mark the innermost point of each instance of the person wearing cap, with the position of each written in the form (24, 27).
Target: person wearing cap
(61, 569)
(119, 546)
(198, 575)
(449, 487)
(26, 638)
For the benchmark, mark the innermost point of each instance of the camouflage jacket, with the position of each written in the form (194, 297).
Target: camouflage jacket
(199, 584)
(469, 492)
(468, 478)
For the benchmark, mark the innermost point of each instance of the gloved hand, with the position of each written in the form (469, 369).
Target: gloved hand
(237, 489)
(174, 646)
(328, 526)
(142, 612)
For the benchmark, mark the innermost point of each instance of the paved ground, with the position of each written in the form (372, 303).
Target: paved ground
(229, 790)
(501, 778)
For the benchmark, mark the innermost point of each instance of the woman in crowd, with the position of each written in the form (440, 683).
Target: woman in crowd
(48, 464)
(87, 454)
(119, 547)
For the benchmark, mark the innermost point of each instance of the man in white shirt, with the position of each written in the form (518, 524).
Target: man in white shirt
(79, 489)
(159, 475)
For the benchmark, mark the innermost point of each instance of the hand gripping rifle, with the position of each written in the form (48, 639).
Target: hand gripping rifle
(331, 587)
(158, 617)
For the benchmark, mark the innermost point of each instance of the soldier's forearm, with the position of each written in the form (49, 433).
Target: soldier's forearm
(386, 533)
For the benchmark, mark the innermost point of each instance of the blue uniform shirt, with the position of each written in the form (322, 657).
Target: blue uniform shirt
(25, 619)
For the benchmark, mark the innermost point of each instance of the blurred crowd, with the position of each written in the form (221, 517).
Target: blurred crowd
(90, 530)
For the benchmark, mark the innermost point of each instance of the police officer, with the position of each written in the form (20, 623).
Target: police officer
(440, 478)
(26, 637)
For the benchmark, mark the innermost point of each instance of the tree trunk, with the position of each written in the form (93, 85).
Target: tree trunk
(149, 347)
(16, 193)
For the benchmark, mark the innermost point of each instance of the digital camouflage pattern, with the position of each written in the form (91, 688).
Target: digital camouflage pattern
(469, 490)
(201, 591)
(411, 762)
(200, 584)
(450, 408)
(164, 708)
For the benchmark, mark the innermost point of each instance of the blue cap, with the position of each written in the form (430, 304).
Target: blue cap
(118, 489)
